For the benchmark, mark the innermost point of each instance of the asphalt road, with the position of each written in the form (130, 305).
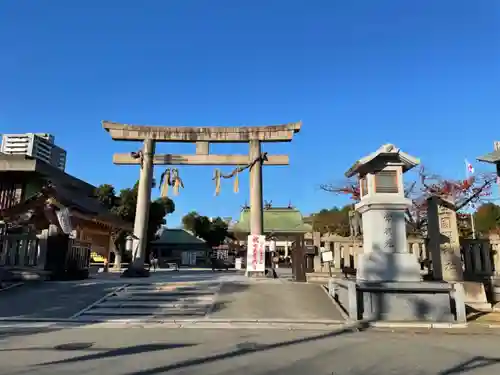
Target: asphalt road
(148, 351)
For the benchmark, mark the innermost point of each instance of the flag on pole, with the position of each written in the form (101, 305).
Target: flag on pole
(469, 169)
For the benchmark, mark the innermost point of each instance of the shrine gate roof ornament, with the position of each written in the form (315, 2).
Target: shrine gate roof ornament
(213, 134)
(388, 153)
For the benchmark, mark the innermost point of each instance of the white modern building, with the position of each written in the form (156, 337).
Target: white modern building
(36, 145)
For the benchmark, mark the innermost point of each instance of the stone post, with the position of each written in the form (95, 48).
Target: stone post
(143, 203)
(317, 257)
(256, 201)
(43, 245)
(444, 242)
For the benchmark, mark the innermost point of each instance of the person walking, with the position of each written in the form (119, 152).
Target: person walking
(153, 261)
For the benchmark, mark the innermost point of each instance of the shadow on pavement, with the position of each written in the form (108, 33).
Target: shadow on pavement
(239, 352)
(471, 364)
(219, 305)
(19, 332)
(108, 353)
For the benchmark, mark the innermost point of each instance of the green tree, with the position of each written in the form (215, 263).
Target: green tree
(487, 218)
(213, 231)
(334, 220)
(189, 220)
(124, 205)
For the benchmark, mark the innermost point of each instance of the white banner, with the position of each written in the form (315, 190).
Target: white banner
(256, 253)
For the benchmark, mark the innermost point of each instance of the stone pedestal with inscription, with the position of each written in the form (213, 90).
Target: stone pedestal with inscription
(388, 284)
(444, 247)
(385, 255)
(444, 241)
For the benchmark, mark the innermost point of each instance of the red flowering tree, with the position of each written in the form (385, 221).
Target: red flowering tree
(461, 193)
(349, 187)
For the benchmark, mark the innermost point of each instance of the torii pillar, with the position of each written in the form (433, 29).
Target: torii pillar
(143, 204)
(256, 198)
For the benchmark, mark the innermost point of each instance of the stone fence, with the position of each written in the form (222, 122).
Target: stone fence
(480, 258)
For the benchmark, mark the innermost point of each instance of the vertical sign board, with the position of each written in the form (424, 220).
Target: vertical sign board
(272, 246)
(237, 263)
(256, 253)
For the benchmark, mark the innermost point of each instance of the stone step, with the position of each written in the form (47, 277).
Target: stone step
(169, 287)
(150, 304)
(148, 312)
(165, 298)
(165, 293)
(136, 318)
(318, 278)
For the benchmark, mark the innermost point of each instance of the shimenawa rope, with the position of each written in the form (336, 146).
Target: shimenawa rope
(235, 173)
(170, 178)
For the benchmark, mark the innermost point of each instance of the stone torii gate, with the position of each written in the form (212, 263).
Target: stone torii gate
(202, 137)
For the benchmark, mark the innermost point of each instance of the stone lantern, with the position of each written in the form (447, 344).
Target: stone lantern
(382, 207)
(388, 284)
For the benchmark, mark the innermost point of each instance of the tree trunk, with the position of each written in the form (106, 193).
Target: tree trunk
(117, 265)
(117, 249)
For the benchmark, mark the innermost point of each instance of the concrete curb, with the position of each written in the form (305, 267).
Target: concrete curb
(335, 303)
(204, 324)
(233, 324)
(418, 325)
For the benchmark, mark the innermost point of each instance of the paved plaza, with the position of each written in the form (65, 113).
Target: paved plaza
(170, 296)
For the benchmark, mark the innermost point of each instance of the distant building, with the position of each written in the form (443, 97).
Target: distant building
(182, 247)
(35, 145)
(282, 224)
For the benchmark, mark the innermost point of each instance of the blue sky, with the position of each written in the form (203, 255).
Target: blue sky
(424, 75)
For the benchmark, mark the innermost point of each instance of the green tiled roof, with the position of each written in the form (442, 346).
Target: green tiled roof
(178, 237)
(276, 220)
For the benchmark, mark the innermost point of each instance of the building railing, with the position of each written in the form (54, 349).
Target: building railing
(19, 250)
(22, 250)
(78, 255)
